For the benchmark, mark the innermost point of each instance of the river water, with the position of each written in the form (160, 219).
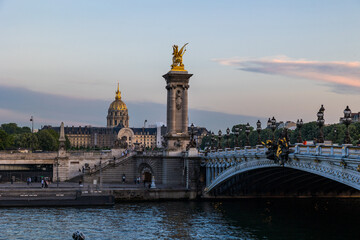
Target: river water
(240, 219)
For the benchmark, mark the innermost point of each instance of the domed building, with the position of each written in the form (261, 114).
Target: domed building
(117, 129)
(118, 113)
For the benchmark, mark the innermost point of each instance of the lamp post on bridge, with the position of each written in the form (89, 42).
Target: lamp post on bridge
(247, 132)
(236, 139)
(258, 129)
(271, 123)
(212, 140)
(347, 121)
(219, 138)
(228, 138)
(320, 121)
(299, 124)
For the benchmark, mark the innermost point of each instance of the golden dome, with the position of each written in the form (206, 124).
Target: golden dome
(118, 104)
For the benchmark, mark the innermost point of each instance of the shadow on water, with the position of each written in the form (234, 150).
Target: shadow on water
(241, 219)
(309, 218)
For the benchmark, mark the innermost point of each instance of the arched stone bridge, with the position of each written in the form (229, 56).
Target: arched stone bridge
(340, 164)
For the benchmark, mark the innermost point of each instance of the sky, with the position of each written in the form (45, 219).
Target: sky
(250, 59)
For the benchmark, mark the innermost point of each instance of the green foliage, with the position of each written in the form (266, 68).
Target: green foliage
(27, 141)
(67, 142)
(12, 128)
(6, 141)
(48, 140)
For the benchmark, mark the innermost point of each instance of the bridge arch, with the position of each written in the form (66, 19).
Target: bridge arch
(225, 171)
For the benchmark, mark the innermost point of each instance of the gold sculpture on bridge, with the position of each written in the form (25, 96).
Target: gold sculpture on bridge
(177, 58)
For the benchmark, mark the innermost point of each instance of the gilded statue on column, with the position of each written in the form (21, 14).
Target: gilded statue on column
(177, 58)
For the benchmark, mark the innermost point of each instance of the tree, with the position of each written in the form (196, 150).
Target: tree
(12, 128)
(47, 140)
(28, 141)
(67, 142)
(6, 141)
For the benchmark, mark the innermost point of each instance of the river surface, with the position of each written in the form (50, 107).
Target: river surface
(241, 219)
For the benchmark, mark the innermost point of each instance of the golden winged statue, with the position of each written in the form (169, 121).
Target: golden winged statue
(177, 58)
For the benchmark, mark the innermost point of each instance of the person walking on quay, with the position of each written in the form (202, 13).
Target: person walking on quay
(28, 181)
(123, 178)
(42, 183)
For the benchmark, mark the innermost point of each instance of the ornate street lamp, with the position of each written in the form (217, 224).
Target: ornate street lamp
(347, 121)
(208, 143)
(236, 139)
(247, 132)
(269, 123)
(192, 142)
(228, 137)
(212, 140)
(258, 129)
(299, 125)
(272, 126)
(320, 121)
(219, 135)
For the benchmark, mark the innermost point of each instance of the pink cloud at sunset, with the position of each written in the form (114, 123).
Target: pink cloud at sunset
(338, 73)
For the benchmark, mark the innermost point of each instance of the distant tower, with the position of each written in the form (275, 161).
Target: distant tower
(177, 84)
(118, 112)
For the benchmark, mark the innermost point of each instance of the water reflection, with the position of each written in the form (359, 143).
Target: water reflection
(241, 219)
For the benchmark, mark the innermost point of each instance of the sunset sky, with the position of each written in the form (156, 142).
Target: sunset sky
(249, 58)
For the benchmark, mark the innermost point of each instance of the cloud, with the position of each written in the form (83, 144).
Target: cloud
(18, 104)
(23, 119)
(339, 74)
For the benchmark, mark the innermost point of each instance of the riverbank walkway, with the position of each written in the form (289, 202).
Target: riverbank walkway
(76, 186)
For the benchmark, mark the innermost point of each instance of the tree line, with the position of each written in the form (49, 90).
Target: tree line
(13, 137)
(309, 132)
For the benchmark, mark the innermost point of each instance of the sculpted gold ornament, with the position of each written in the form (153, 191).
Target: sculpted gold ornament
(177, 58)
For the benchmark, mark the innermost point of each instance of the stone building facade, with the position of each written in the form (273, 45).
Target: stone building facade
(118, 129)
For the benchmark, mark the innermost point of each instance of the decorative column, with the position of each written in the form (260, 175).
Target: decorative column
(177, 84)
(185, 117)
(177, 110)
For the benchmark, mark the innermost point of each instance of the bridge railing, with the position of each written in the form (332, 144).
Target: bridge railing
(324, 150)
(315, 150)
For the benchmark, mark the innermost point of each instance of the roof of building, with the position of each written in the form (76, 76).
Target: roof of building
(146, 131)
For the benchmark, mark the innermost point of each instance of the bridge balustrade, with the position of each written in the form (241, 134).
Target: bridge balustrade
(354, 152)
